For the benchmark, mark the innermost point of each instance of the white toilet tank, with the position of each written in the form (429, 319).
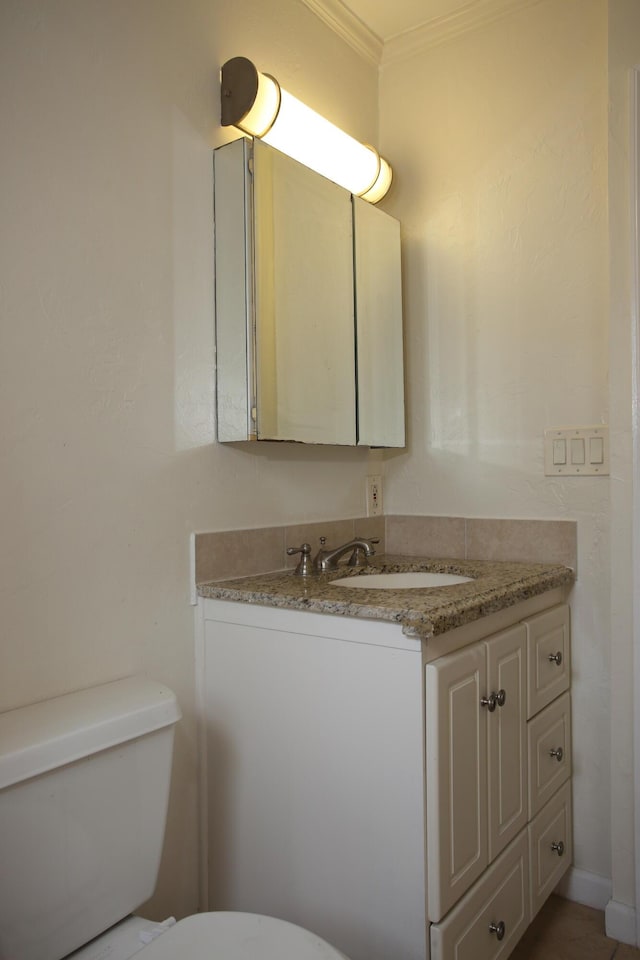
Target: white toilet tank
(84, 786)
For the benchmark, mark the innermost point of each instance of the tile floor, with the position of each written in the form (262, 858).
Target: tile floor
(570, 931)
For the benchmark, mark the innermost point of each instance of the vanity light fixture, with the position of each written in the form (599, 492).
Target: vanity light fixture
(256, 104)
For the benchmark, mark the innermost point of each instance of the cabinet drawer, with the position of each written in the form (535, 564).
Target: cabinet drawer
(501, 896)
(548, 656)
(550, 846)
(549, 736)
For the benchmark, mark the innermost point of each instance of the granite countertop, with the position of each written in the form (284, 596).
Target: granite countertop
(422, 612)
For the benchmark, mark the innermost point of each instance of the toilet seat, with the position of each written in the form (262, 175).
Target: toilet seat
(238, 936)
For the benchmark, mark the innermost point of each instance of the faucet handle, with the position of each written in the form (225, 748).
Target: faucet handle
(305, 567)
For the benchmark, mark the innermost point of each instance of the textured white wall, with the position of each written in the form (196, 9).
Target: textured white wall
(500, 145)
(109, 115)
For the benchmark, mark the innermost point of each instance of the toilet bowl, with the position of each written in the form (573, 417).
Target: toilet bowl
(84, 788)
(203, 936)
(239, 936)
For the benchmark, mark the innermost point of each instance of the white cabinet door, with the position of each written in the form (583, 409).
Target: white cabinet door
(476, 761)
(507, 737)
(456, 774)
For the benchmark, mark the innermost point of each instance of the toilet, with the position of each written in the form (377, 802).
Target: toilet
(84, 788)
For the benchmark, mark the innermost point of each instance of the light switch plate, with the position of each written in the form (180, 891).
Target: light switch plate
(576, 451)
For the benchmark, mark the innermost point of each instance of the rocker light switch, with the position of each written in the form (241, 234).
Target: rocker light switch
(596, 450)
(576, 451)
(559, 452)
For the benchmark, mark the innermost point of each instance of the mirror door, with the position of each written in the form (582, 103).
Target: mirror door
(304, 303)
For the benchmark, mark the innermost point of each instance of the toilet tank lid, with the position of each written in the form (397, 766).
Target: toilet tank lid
(49, 734)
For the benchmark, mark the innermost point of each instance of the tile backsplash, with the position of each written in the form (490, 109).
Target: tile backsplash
(238, 553)
(468, 538)
(222, 555)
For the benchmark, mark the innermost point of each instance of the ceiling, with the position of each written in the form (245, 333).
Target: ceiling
(388, 18)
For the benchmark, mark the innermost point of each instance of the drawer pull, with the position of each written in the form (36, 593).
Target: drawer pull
(558, 848)
(556, 658)
(494, 700)
(558, 754)
(498, 929)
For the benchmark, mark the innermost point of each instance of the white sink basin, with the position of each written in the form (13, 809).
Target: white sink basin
(400, 581)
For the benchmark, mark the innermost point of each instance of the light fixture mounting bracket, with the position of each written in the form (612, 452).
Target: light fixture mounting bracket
(239, 83)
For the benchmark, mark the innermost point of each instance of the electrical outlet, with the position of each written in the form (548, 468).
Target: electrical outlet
(374, 496)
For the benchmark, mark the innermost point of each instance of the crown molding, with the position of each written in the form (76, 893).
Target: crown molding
(474, 15)
(442, 29)
(345, 23)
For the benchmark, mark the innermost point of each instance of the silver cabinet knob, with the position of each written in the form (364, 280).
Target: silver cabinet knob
(556, 658)
(558, 848)
(498, 928)
(494, 700)
(558, 754)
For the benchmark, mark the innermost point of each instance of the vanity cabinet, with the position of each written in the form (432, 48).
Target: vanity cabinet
(308, 306)
(399, 798)
(498, 765)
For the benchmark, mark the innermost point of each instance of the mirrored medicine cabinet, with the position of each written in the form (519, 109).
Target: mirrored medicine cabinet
(308, 306)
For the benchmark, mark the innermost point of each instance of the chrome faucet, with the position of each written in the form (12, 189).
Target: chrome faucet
(328, 559)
